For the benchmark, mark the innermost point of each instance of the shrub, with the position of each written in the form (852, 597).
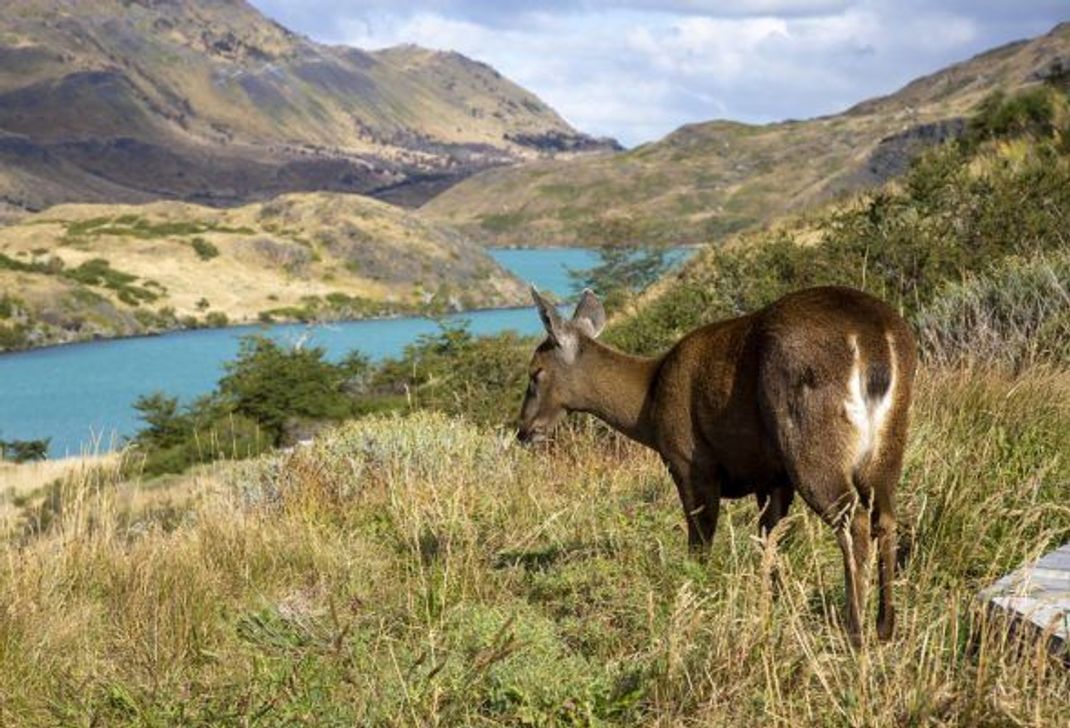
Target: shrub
(204, 249)
(1017, 313)
(216, 319)
(458, 373)
(23, 451)
(265, 388)
(903, 244)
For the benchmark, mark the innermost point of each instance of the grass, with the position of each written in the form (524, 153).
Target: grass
(135, 226)
(170, 254)
(422, 571)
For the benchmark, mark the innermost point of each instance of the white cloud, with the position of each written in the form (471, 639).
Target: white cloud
(636, 69)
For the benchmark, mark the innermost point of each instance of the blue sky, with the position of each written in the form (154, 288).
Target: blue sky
(637, 69)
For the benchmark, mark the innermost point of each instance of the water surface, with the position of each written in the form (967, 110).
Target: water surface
(80, 395)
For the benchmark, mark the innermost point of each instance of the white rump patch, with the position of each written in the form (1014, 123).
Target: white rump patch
(867, 414)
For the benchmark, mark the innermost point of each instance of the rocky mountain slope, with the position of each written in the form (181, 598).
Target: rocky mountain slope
(705, 181)
(81, 271)
(211, 102)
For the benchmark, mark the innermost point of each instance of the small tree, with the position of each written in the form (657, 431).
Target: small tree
(166, 427)
(270, 384)
(24, 451)
(622, 273)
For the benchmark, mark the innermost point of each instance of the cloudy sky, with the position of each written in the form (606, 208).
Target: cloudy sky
(637, 69)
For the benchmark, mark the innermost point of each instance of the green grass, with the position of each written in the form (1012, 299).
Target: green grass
(423, 571)
(136, 226)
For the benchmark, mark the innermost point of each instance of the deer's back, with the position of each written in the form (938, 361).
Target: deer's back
(725, 388)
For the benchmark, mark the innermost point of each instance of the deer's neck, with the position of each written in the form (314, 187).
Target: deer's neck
(619, 390)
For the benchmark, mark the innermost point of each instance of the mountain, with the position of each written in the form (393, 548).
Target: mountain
(705, 181)
(80, 271)
(211, 102)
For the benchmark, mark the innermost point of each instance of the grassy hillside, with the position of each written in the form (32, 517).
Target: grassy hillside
(423, 571)
(706, 181)
(975, 229)
(112, 100)
(84, 271)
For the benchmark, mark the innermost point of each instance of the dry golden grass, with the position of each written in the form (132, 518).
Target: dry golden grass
(275, 256)
(21, 483)
(419, 571)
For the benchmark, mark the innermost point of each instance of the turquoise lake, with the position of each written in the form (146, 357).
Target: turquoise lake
(80, 395)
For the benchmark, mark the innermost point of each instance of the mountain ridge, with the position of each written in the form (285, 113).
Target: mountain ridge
(213, 102)
(708, 180)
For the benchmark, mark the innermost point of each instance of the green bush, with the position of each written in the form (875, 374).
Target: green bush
(456, 372)
(1017, 313)
(216, 319)
(1028, 112)
(9, 306)
(23, 451)
(98, 272)
(13, 336)
(263, 390)
(204, 249)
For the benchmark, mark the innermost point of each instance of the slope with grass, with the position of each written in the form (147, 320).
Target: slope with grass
(212, 102)
(971, 244)
(86, 271)
(420, 570)
(706, 181)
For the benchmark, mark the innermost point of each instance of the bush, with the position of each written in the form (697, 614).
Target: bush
(1018, 313)
(1028, 112)
(458, 373)
(13, 336)
(204, 249)
(622, 273)
(216, 319)
(23, 451)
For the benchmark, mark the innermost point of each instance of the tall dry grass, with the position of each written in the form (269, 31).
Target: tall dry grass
(420, 571)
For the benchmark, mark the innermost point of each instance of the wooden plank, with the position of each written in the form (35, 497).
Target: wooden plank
(1037, 595)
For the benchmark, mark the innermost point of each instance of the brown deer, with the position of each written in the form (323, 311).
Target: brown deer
(810, 394)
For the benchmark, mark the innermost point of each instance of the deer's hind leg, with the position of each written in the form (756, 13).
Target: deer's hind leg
(880, 474)
(816, 444)
(830, 492)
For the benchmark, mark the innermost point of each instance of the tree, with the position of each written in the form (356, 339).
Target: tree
(23, 451)
(166, 427)
(270, 384)
(622, 273)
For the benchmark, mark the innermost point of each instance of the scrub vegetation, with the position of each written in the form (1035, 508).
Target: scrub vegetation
(415, 566)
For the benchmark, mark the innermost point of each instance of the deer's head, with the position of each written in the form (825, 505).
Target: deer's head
(556, 377)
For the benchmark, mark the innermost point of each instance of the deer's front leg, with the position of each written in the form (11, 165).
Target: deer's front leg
(700, 496)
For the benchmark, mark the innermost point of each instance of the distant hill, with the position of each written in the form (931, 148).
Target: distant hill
(209, 101)
(705, 181)
(81, 271)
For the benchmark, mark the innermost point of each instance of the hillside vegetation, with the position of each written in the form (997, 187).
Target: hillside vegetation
(419, 567)
(422, 571)
(988, 213)
(212, 102)
(707, 181)
(85, 271)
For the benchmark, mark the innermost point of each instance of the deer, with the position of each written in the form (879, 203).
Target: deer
(810, 395)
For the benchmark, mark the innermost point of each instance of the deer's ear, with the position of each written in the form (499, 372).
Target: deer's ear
(551, 319)
(590, 317)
